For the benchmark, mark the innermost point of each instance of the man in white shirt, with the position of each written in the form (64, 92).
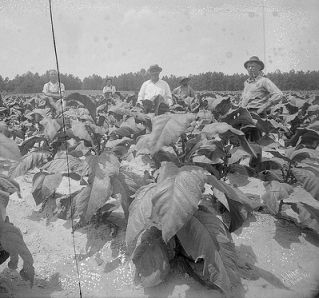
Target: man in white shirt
(155, 87)
(52, 91)
(109, 89)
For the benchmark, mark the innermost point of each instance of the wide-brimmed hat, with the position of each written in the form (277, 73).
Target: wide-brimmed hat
(154, 69)
(184, 79)
(256, 60)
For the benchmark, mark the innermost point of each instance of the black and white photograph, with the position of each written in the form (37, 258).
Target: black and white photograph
(159, 149)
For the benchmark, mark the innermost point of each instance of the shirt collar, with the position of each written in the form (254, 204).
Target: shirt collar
(251, 80)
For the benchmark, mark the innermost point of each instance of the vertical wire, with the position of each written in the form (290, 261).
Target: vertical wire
(264, 32)
(66, 146)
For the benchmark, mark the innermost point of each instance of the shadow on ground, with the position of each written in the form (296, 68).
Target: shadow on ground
(248, 270)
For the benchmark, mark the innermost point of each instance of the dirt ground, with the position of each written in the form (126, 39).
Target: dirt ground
(277, 259)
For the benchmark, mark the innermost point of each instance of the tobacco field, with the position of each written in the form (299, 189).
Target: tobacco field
(200, 199)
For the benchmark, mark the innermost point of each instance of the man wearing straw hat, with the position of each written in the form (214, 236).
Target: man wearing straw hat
(259, 93)
(155, 87)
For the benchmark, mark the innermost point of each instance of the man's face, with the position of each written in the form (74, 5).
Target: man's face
(154, 76)
(53, 76)
(253, 69)
(108, 83)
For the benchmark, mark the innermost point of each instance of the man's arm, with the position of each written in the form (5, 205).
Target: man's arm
(168, 94)
(46, 92)
(191, 92)
(274, 95)
(141, 94)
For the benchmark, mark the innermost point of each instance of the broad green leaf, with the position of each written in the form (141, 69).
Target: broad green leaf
(176, 198)
(4, 199)
(103, 167)
(63, 163)
(219, 105)
(237, 154)
(28, 162)
(275, 193)
(233, 193)
(11, 240)
(151, 259)
(29, 143)
(140, 212)
(303, 215)
(123, 131)
(85, 101)
(212, 149)
(238, 203)
(167, 169)
(44, 185)
(131, 181)
(8, 148)
(226, 131)
(80, 201)
(166, 129)
(9, 185)
(238, 118)
(304, 153)
(79, 130)
(213, 129)
(204, 236)
(305, 136)
(308, 180)
(51, 127)
(120, 189)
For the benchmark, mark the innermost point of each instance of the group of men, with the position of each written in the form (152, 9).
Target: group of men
(259, 93)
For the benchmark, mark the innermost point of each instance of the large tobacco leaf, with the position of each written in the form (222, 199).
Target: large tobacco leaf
(140, 212)
(205, 237)
(86, 101)
(276, 192)
(65, 164)
(8, 148)
(226, 131)
(176, 199)
(79, 130)
(28, 162)
(96, 194)
(51, 127)
(239, 204)
(308, 180)
(238, 118)
(169, 203)
(44, 186)
(166, 129)
(11, 240)
(150, 258)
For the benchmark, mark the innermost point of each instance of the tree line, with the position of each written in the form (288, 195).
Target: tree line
(210, 81)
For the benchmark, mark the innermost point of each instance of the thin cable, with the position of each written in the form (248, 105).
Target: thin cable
(66, 146)
(264, 31)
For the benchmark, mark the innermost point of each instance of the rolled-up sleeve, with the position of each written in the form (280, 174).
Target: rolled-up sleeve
(141, 93)
(168, 95)
(45, 88)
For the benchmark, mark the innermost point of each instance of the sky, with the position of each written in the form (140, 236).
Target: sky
(110, 37)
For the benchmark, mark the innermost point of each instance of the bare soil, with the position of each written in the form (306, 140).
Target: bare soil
(276, 258)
